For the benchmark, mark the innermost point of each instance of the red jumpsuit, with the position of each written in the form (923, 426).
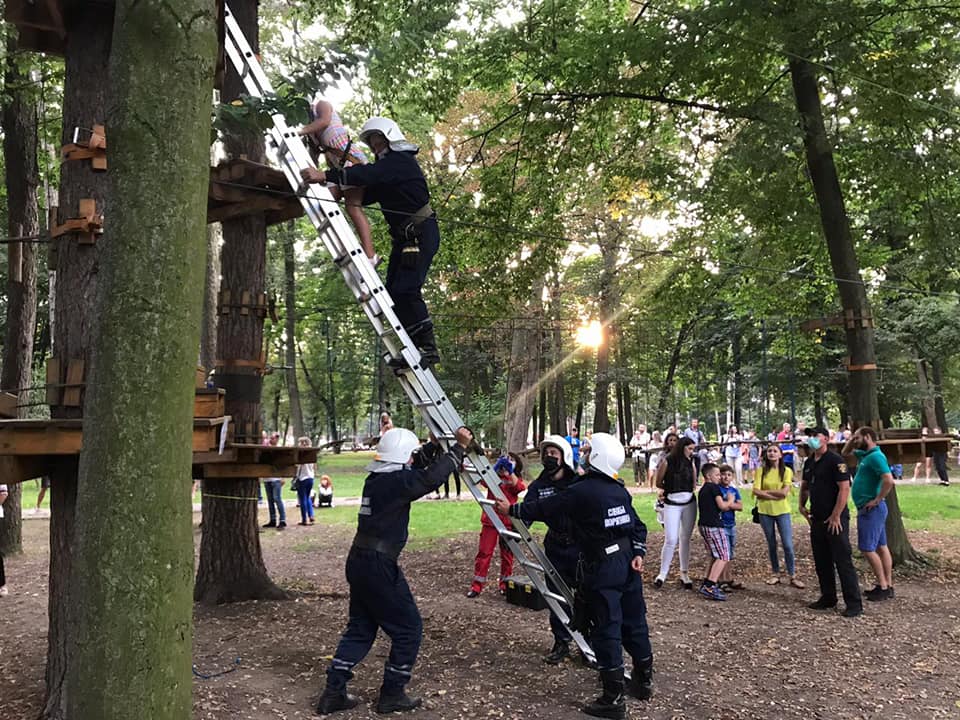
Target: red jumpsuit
(489, 538)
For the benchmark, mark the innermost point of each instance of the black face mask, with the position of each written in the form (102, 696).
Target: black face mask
(550, 465)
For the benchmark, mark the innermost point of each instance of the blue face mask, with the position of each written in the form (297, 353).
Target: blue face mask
(813, 443)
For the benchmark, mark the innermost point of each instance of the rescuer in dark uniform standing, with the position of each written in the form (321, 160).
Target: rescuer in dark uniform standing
(612, 542)
(562, 551)
(379, 595)
(396, 182)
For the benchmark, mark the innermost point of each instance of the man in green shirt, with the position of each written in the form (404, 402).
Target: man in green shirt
(871, 485)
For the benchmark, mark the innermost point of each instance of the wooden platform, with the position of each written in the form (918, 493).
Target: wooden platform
(903, 451)
(241, 187)
(27, 447)
(248, 460)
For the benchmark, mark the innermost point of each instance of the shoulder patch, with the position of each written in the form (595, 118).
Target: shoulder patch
(842, 467)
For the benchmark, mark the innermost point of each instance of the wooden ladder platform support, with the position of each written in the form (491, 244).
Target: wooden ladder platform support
(241, 460)
(27, 447)
(240, 187)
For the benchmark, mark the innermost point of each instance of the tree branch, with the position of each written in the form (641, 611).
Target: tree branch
(572, 97)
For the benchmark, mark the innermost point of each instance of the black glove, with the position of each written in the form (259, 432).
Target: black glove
(410, 255)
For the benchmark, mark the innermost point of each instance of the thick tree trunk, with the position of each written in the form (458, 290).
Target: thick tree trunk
(84, 103)
(133, 559)
(858, 319)
(290, 327)
(522, 382)
(21, 179)
(927, 403)
(231, 564)
(936, 367)
(628, 422)
(609, 299)
(897, 540)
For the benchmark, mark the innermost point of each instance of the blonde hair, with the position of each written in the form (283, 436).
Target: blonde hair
(304, 440)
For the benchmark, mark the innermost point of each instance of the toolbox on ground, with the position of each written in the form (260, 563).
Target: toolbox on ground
(522, 592)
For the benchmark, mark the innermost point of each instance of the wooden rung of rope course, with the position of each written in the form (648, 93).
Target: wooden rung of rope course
(65, 384)
(94, 149)
(246, 304)
(86, 227)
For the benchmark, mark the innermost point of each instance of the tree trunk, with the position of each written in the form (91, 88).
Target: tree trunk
(621, 420)
(231, 564)
(858, 319)
(609, 299)
(541, 416)
(211, 290)
(522, 381)
(900, 548)
(84, 103)
(133, 559)
(936, 367)
(290, 326)
(22, 180)
(628, 422)
(662, 420)
(926, 395)
(737, 355)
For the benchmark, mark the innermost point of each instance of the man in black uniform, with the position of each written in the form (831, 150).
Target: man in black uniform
(396, 181)
(379, 595)
(558, 474)
(612, 542)
(826, 483)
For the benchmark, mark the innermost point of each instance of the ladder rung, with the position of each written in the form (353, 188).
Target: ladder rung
(530, 564)
(553, 595)
(486, 501)
(511, 534)
(424, 403)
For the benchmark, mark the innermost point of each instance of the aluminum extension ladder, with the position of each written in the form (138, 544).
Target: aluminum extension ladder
(418, 382)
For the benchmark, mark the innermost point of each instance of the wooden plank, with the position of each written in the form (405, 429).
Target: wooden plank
(40, 441)
(73, 392)
(212, 456)
(209, 403)
(54, 379)
(16, 469)
(242, 470)
(8, 405)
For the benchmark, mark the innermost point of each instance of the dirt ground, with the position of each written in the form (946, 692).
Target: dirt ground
(762, 654)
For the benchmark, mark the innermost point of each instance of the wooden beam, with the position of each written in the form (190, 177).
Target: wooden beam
(8, 405)
(242, 470)
(19, 468)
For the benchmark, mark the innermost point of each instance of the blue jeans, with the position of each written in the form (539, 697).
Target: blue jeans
(779, 523)
(275, 500)
(304, 488)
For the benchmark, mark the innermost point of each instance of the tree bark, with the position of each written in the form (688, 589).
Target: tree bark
(133, 559)
(522, 382)
(231, 566)
(609, 299)
(843, 256)
(662, 420)
(858, 320)
(84, 103)
(936, 367)
(211, 290)
(22, 179)
(926, 394)
(897, 540)
(290, 327)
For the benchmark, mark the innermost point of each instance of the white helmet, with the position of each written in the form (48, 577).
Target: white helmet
(396, 446)
(559, 442)
(390, 130)
(606, 454)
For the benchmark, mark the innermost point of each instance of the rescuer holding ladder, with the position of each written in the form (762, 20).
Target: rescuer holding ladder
(396, 182)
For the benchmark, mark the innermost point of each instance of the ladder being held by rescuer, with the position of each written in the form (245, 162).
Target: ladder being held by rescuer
(417, 381)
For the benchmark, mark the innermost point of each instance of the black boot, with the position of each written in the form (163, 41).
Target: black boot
(560, 651)
(611, 703)
(396, 701)
(641, 684)
(334, 700)
(427, 345)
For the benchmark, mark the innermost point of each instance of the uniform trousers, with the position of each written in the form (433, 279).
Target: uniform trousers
(489, 539)
(614, 594)
(379, 599)
(405, 285)
(831, 555)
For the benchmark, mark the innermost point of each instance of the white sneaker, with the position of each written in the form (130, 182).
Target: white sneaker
(3, 591)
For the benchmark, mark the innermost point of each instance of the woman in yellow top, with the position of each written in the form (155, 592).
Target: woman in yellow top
(771, 491)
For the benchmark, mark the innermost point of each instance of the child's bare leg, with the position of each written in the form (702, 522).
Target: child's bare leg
(716, 570)
(354, 201)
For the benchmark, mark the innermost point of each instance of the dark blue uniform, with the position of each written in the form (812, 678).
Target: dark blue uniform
(379, 594)
(561, 549)
(396, 182)
(609, 533)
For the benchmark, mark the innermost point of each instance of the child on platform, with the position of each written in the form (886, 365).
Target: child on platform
(512, 485)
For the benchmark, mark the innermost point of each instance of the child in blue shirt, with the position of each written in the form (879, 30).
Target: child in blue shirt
(729, 517)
